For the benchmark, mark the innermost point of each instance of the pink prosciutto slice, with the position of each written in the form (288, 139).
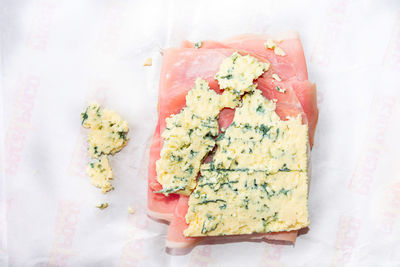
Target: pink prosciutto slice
(182, 66)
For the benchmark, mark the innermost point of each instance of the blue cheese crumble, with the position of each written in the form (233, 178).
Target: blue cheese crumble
(108, 132)
(100, 174)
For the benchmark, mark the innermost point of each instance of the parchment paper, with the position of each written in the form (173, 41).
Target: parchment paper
(56, 56)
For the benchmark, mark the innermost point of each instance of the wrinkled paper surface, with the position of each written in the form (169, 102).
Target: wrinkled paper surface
(59, 55)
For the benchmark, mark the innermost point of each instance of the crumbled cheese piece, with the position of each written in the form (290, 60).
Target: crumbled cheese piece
(282, 90)
(198, 44)
(108, 132)
(279, 51)
(100, 174)
(258, 175)
(270, 44)
(276, 77)
(237, 73)
(102, 206)
(130, 210)
(188, 138)
(148, 62)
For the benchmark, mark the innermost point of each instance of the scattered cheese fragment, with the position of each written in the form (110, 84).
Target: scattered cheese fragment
(282, 90)
(257, 181)
(279, 51)
(100, 174)
(198, 44)
(270, 44)
(108, 132)
(102, 206)
(276, 77)
(107, 135)
(130, 210)
(148, 62)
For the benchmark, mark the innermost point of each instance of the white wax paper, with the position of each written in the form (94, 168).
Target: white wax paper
(56, 56)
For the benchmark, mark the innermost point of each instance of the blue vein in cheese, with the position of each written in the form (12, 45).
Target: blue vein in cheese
(257, 181)
(108, 132)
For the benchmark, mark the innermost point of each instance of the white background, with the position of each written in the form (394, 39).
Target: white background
(56, 56)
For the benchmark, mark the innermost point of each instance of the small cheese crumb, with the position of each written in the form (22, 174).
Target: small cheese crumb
(278, 51)
(198, 44)
(281, 90)
(102, 206)
(148, 62)
(270, 44)
(276, 77)
(131, 211)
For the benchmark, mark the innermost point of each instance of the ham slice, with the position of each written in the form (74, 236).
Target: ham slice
(181, 66)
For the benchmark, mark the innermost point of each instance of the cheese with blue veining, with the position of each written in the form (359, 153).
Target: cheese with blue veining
(100, 173)
(108, 132)
(188, 138)
(257, 181)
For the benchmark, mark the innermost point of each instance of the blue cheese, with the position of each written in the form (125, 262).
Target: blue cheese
(257, 181)
(257, 139)
(100, 174)
(240, 202)
(198, 44)
(108, 132)
(188, 138)
(236, 75)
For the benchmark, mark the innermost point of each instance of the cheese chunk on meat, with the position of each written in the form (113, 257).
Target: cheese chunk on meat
(188, 138)
(236, 75)
(238, 72)
(258, 139)
(257, 181)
